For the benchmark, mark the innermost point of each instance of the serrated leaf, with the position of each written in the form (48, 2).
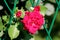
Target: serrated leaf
(43, 10)
(28, 4)
(13, 32)
(1, 25)
(23, 13)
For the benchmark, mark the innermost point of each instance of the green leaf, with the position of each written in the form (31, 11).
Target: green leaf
(1, 33)
(38, 37)
(43, 10)
(28, 4)
(23, 13)
(27, 36)
(5, 18)
(13, 31)
(56, 38)
(16, 9)
(54, 1)
(24, 34)
(1, 25)
(20, 26)
(58, 17)
(31, 9)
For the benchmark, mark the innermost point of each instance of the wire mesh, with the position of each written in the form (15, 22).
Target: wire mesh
(53, 20)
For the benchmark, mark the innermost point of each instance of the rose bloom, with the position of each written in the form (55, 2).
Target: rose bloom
(33, 20)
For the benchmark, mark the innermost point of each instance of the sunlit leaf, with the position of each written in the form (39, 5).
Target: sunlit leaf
(1, 33)
(13, 31)
(28, 4)
(16, 9)
(1, 25)
(5, 18)
(37, 37)
(23, 13)
(43, 10)
(31, 9)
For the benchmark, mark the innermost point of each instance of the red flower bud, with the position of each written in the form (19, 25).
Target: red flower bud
(18, 14)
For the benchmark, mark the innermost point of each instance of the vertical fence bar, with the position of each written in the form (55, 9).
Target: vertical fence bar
(51, 26)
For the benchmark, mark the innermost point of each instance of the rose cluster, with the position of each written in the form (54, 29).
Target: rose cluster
(32, 21)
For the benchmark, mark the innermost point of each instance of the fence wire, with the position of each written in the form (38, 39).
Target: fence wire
(53, 20)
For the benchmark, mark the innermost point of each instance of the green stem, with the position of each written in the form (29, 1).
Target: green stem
(11, 11)
(32, 2)
(8, 7)
(38, 1)
(14, 5)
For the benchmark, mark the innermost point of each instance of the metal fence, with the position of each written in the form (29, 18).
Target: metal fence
(53, 20)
